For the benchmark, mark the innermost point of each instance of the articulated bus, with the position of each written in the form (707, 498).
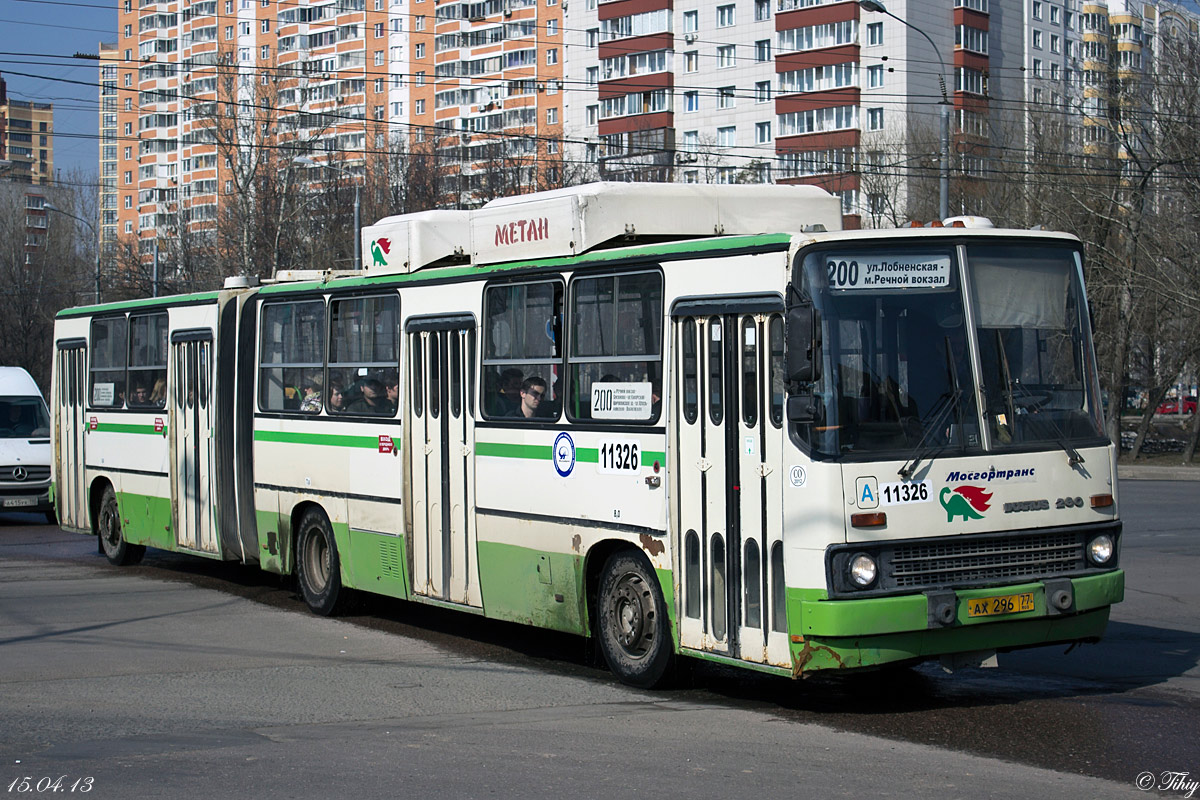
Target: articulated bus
(687, 421)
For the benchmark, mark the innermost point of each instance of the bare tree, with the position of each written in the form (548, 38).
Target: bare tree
(42, 270)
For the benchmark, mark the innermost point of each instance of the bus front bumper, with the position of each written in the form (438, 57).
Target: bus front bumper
(841, 634)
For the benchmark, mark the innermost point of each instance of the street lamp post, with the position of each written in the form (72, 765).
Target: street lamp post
(944, 168)
(52, 207)
(308, 162)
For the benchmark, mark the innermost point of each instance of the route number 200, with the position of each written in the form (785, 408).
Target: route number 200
(842, 273)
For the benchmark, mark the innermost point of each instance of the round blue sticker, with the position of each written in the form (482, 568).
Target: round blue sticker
(564, 454)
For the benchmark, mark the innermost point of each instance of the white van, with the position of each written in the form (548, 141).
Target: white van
(24, 445)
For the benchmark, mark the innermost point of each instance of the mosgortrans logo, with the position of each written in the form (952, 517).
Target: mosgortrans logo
(968, 502)
(991, 474)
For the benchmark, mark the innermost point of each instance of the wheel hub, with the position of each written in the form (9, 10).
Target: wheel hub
(631, 614)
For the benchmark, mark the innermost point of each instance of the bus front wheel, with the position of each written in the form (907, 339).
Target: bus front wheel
(632, 625)
(318, 569)
(112, 541)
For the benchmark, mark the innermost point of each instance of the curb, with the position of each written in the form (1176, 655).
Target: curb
(1145, 472)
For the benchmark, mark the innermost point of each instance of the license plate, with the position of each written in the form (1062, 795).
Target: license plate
(14, 502)
(1001, 604)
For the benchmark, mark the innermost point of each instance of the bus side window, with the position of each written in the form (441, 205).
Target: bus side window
(716, 381)
(691, 377)
(616, 337)
(777, 366)
(749, 372)
(108, 354)
(364, 359)
(148, 360)
(293, 348)
(522, 345)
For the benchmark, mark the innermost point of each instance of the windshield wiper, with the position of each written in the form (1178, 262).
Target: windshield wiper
(1006, 377)
(1073, 456)
(946, 402)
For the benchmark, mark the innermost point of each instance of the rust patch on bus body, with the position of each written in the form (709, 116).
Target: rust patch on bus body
(651, 545)
(808, 653)
(576, 542)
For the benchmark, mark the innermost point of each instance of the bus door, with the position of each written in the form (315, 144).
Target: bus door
(69, 404)
(193, 481)
(442, 432)
(727, 424)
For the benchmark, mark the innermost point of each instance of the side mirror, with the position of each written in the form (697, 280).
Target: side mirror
(805, 407)
(803, 344)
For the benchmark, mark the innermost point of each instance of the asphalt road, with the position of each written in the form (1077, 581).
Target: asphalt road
(186, 678)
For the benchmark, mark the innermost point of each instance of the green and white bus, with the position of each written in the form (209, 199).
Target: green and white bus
(688, 421)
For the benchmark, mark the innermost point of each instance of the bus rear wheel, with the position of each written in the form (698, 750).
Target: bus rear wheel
(318, 568)
(632, 624)
(112, 541)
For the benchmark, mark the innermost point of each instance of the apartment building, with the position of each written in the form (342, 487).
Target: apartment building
(842, 94)
(495, 96)
(26, 139)
(336, 82)
(108, 198)
(837, 93)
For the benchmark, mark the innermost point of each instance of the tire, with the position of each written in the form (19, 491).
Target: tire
(112, 541)
(51, 517)
(318, 568)
(632, 622)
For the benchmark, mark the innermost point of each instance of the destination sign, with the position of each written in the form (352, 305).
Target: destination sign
(878, 271)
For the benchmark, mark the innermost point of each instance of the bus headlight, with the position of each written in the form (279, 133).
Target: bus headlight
(1100, 550)
(862, 570)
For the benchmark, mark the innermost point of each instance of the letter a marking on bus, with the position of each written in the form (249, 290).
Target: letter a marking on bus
(868, 492)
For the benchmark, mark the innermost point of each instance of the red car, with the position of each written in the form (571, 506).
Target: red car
(1172, 406)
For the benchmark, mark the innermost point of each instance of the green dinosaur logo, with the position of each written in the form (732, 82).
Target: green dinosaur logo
(379, 248)
(964, 501)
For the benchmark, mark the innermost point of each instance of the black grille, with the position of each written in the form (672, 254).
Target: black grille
(1011, 560)
(33, 473)
(959, 562)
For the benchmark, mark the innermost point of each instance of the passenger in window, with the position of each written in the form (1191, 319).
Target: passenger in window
(158, 395)
(140, 396)
(337, 400)
(312, 396)
(507, 401)
(392, 382)
(373, 399)
(532, 391)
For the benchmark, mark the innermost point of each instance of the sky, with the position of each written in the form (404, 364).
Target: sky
(38, 38)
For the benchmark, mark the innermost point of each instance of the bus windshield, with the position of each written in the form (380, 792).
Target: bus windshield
(897, 374)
